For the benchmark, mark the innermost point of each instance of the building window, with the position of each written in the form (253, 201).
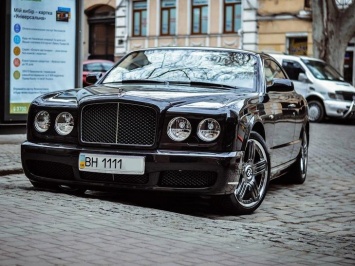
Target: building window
(232, 16)
(168, 17)
(199, 16)
(139, 18)
(101, 21)
(297, 45)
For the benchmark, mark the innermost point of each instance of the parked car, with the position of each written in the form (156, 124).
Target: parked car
(204, 121)
(327, 93)
(95, 65)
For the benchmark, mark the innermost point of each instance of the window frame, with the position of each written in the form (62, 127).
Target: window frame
(233, 5)
(275, 71)
(200, 7)
(169, 9)
(140, 12)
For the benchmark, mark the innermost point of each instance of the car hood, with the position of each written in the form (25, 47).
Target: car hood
(334, 86)
(160, 95)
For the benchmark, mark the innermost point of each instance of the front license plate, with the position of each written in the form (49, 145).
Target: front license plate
(112, 164)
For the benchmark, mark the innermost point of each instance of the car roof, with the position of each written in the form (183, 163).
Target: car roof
(294, 57)
(97, 61)
(202, 48)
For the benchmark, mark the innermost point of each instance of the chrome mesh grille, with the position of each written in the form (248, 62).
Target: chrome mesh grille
(118, 123)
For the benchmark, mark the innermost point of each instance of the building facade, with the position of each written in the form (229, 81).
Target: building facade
(113, 28)
(153, 23)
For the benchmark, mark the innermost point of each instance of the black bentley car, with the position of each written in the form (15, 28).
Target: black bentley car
(208, 121)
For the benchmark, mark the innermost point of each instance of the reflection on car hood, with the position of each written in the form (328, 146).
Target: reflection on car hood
(161, 95)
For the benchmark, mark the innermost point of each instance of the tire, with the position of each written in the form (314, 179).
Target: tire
(315, 111)
(254, 180)
(298, 171)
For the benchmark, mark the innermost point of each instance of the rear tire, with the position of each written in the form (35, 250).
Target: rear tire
(254, 180)
(298, 171)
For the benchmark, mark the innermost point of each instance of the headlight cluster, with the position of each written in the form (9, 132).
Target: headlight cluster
(64, 122)
(336, 96)
(179, 129)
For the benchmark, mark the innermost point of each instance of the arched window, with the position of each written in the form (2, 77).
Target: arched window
(101, 21)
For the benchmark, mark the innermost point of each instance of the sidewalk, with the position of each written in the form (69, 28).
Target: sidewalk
(10, 153)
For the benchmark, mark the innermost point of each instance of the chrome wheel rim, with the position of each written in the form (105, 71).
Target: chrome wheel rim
(314, 112)
(253, 181)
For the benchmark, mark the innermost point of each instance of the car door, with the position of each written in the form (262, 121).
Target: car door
(283, 109)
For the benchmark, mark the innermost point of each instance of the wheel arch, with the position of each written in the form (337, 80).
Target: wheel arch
(257, 127)
(315, 98)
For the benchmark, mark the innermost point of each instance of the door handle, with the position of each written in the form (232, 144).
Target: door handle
(292, 105)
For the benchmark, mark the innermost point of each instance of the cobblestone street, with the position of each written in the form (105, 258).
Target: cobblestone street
(309, 224)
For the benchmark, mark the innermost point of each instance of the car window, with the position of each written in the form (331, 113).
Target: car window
(272, 71)
(106, 66)
(292, 68)
(94, 67)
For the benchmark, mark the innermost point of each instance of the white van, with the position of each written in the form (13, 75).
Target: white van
(326, 91)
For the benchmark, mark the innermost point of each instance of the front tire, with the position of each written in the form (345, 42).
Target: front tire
(315, 111)
(253, 181)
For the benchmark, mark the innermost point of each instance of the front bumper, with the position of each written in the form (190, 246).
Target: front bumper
(340, 109)
(195, 172)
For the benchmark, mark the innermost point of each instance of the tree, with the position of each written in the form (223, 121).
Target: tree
(333, 27)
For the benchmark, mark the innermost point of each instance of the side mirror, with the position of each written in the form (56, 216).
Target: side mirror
(93, 77)
(280, 85)
(303, 78)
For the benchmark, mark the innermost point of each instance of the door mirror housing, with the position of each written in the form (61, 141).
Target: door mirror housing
(93, 77)
(280, 85)
(302, 77)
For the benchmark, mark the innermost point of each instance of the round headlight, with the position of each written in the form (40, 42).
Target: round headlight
(64, 123)
(208, 129)
(179, 129)
(42, 121)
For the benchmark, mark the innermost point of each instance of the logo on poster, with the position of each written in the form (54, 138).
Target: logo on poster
(17, 50)
(17, 28)
(17, 39)
(17, 62)
(17, 74)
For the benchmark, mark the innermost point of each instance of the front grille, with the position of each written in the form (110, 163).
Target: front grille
(187, 179)
(118, 123)
(50, 169)
(121, 179)
(348, 96)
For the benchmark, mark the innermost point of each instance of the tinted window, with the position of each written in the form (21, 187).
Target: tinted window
(292, 68)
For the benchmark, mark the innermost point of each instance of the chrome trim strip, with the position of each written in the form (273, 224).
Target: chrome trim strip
(350, 109)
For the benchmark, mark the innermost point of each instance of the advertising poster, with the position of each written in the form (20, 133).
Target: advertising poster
(42, 50)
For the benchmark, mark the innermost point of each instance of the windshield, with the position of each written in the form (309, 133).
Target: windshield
(321, 70)
(226, 68)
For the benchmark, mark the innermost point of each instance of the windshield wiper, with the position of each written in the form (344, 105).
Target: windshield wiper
(143, 81)
(136, 81)
(211, 84)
